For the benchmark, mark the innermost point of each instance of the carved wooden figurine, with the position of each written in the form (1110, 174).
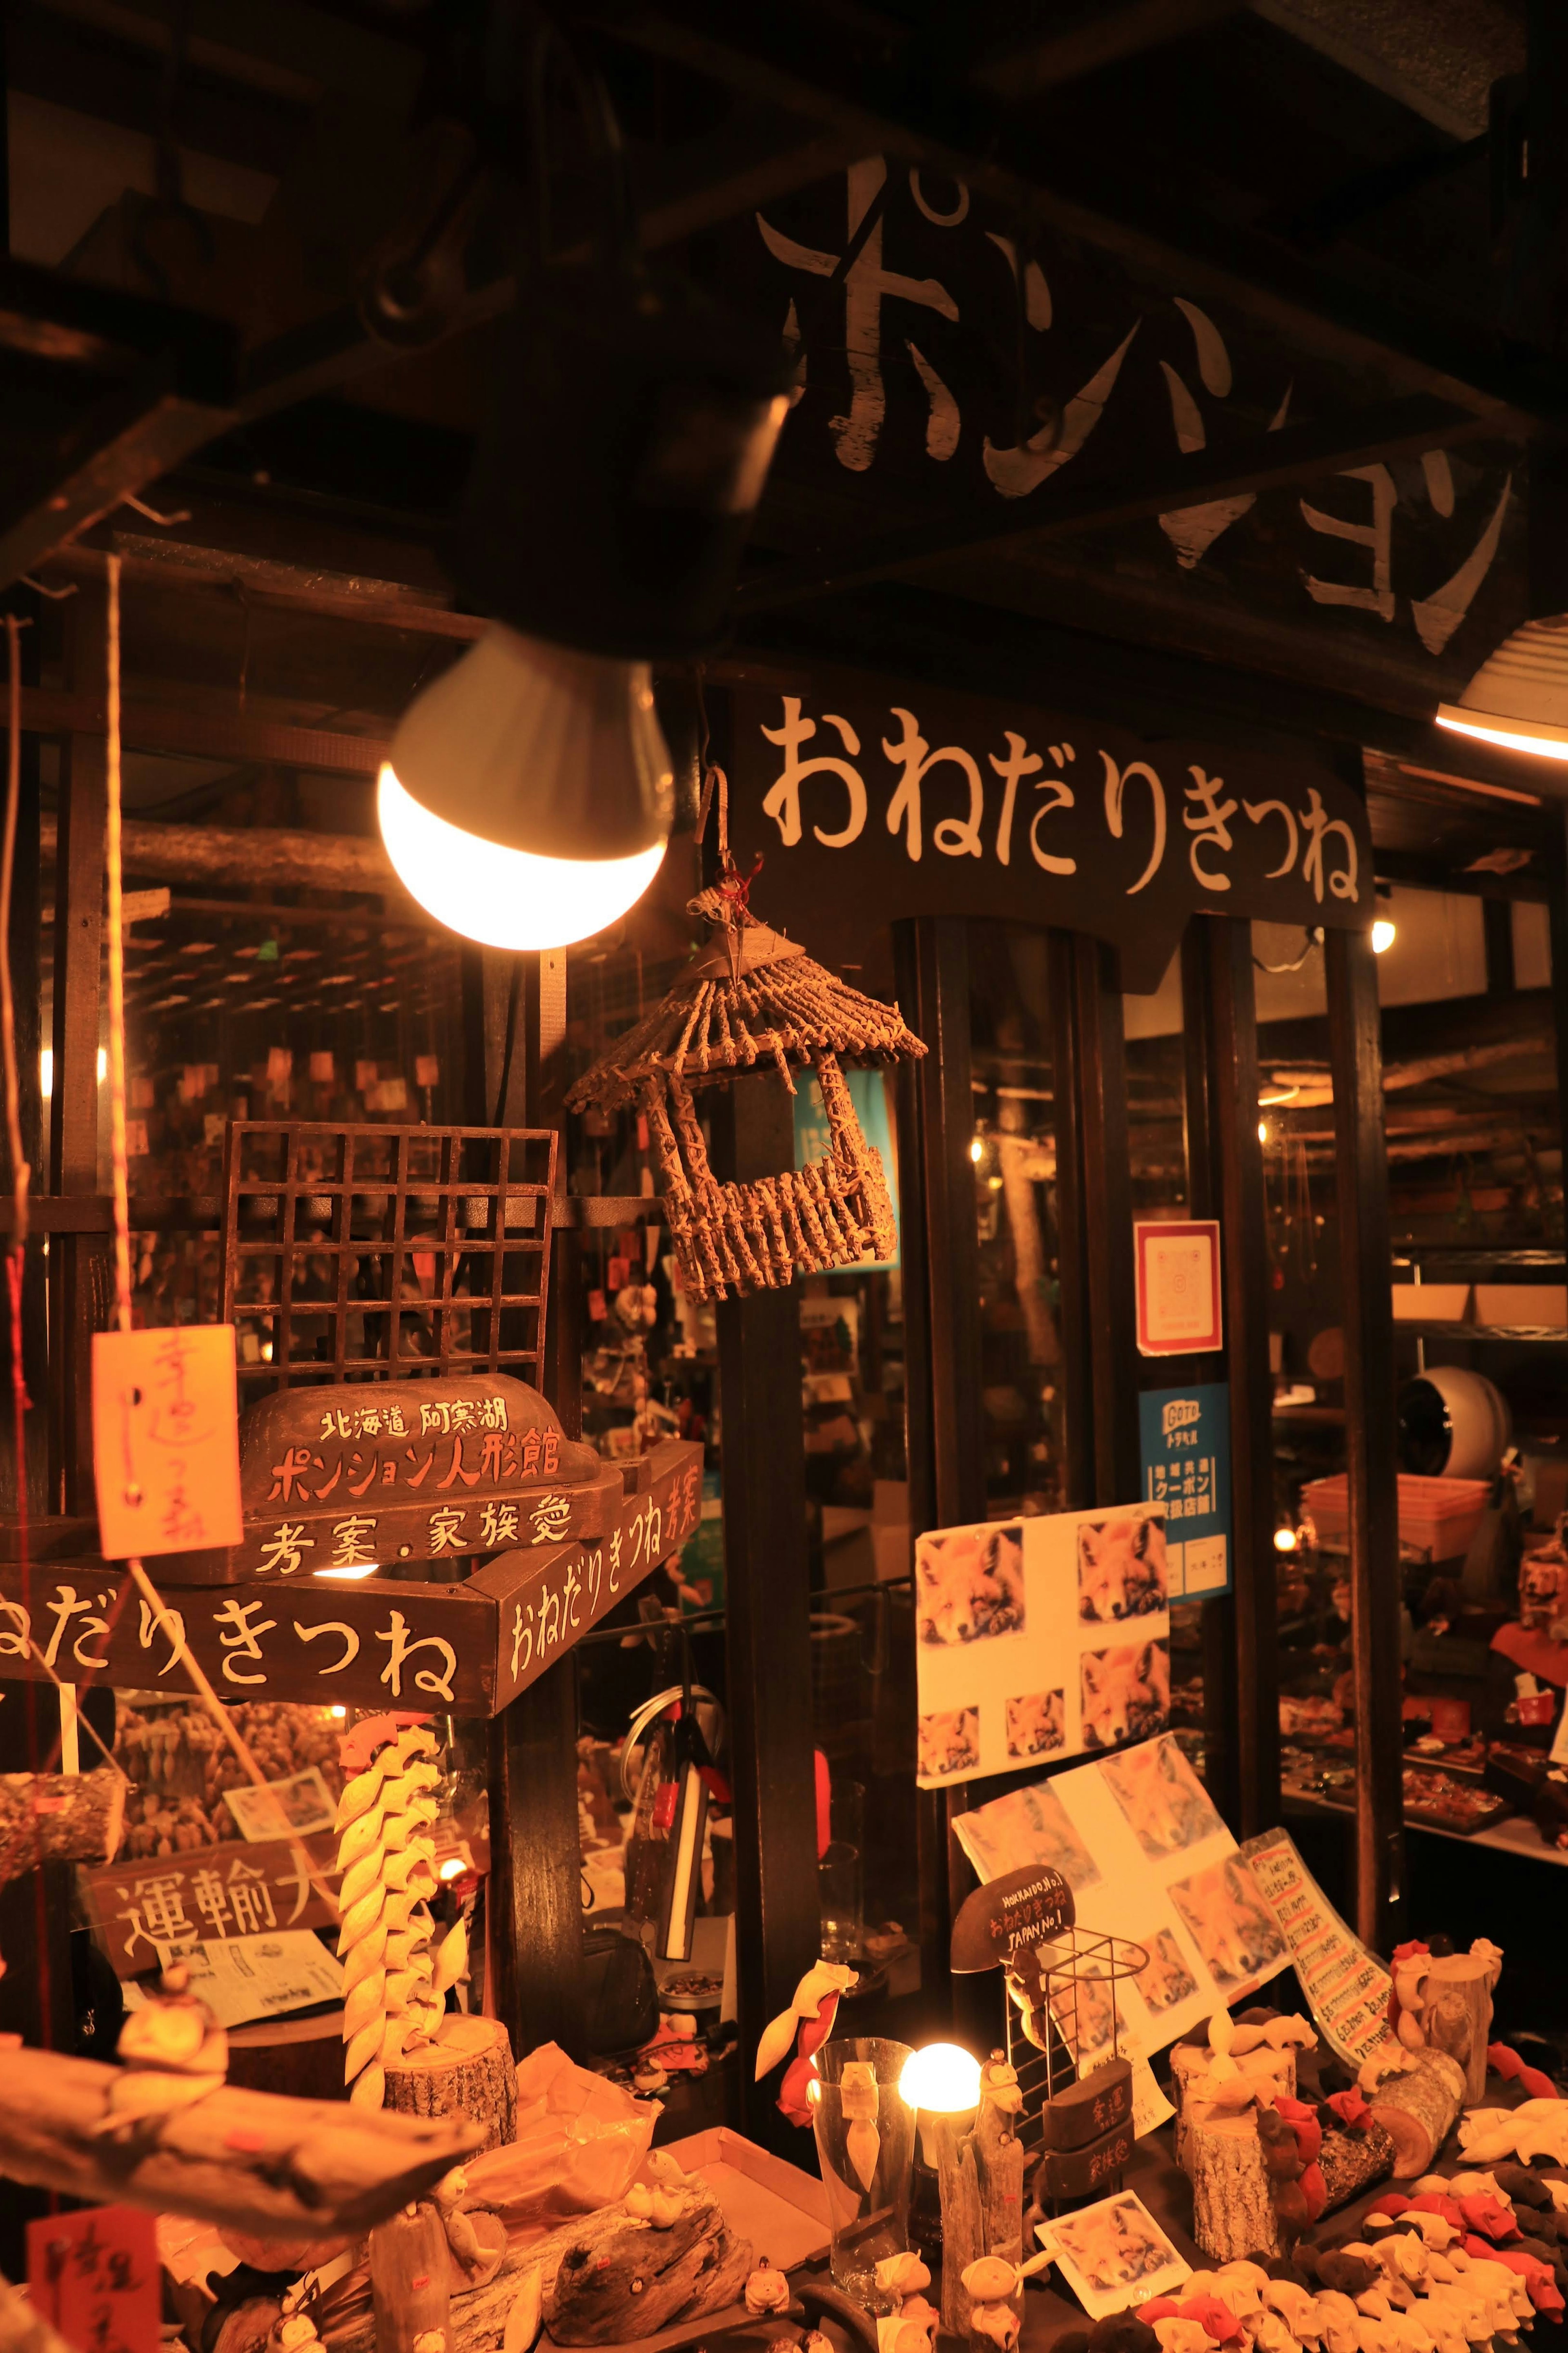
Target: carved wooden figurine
(993, 2287)
(410, 2279)
(980, 2178)
(858, 2098)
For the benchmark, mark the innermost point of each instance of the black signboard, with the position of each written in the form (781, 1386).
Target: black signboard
(1010, 1916)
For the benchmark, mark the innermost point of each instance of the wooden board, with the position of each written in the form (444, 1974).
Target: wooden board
(241, 1888)
(373, 1643)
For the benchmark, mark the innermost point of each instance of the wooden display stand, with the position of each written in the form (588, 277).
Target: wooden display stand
(467, 2072)
(1269, 2073)
(1233, 2213)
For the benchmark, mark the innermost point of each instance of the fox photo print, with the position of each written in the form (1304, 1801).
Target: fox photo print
(1040, 1639)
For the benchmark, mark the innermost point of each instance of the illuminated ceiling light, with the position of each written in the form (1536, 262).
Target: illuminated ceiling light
(1285, 1539)
(1384, 934)
(528, 795)
(1518, 699)
(526, 802)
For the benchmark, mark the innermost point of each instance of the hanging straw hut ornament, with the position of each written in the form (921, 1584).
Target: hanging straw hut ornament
(753, 999)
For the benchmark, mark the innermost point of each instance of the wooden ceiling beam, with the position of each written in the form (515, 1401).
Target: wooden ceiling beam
(1106, 36)
(890, 98)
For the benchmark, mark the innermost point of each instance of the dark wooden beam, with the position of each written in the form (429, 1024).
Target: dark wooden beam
(1104, 36)
(1107, 1219)
(768, 1626)
(896, 98)
(1072, 1247)
(1296, 453)
(1226, 950)
(1361, 1162)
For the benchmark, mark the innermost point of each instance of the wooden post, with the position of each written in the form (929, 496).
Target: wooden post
(778, 1931)
(1200, 1098)
(1107, 1219)
(1355, 1054)
(946, 1430)
(535, 1935)
(81, 1271)
(1077, 1370)
(1245, 1257)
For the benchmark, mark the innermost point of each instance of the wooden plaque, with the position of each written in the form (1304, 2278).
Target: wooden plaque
(1008, 1916)
(1099, 2104)
(1084, 2172)
(369, 1642)
(243, 1888)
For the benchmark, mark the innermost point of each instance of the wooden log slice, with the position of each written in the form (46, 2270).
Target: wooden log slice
(1350, 2162)
(467, 2072)
(1458, 2017)
(1418, 2110)
(1233, 2213)
(1270, 2073)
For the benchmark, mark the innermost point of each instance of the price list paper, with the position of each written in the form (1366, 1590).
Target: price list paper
(1347, 1987)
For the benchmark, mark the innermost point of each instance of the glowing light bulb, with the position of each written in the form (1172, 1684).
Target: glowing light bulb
(350, 1575)
(943, 2079)
(102, 1066)
(1263, 1130)
(1285, 1540)
(978, 1150)
(453, 1868)
(47, 1072)
(338, 1715)
(1384, 934)
(505, 898)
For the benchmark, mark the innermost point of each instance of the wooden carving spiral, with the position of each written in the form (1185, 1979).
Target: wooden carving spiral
(393, 1985)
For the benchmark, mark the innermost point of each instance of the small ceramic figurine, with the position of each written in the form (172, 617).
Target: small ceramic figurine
(766, 2289)
(858, 2098)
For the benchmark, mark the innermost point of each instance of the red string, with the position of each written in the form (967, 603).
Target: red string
(737, 887)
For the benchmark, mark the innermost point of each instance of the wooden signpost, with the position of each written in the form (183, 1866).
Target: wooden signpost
(375, 1641)
(241, 1888)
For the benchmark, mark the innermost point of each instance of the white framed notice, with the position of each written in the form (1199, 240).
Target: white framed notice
(1176, 1261)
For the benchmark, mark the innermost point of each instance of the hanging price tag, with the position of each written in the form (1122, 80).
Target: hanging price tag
(166, 1439)
(94, 2277)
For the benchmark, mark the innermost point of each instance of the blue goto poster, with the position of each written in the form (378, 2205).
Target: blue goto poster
(1185, 1440)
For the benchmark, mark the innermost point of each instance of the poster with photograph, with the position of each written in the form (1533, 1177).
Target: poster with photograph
(1113, 2255)
(1040, 1638)
(1138, 1840)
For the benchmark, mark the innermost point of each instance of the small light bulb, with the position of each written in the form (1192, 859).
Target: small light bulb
(1382, 936)
(1285, 1540)
(943, 2079)
(338, 1715)
(453, 1868)
(1263, 1130)
(505, 898)
(978, 1150)
(47, 1072)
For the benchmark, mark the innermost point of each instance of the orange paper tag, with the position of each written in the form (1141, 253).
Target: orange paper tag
(94, 2275)
(166, 1439)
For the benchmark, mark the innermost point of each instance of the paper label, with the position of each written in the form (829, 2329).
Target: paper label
(1185, 1440)
(165, 1435)
(284, 1809)
(1113, 2255)
(1346, 1987)
(1177, 1267)
(94, 2277)
(260, 1977)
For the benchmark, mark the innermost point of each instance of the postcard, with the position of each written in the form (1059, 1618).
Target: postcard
(1113, 2254)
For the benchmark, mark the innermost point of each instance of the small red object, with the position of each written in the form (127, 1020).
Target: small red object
(1483, 2213)
(597, 1307)
(824, 1805)
(1303, 2121)
(664, 1804)
(1314, 2189)
(94, 2277)
(1392, 2202)
(356, 1748)
(1451, 1719)
(1159, 2308)
(1213, 2316)
(1355, 2116)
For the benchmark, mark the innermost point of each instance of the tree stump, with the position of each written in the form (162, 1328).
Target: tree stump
(1270, 2073)
(1458, 2016)
(1418, 2110)
(1233, 2213)
(467, 2072)
(1351, 2161)
(958, 2182)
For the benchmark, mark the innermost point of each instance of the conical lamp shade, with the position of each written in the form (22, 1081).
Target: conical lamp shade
(527, 798)
(1518, 699)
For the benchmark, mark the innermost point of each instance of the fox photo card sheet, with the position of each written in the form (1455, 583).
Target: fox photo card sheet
(1147, 1857)
(1113, 2255)
(1040, 1638)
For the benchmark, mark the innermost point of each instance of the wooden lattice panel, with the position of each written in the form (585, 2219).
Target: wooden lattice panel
(372, 1249)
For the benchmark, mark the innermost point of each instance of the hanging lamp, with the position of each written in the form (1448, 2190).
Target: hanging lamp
(1518, 699)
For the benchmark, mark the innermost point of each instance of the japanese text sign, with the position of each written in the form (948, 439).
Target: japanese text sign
(926, 803)
(1177, 1264)
(241, 1888)
(165, 1440)
(94, 2277)
(1185, 1440)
